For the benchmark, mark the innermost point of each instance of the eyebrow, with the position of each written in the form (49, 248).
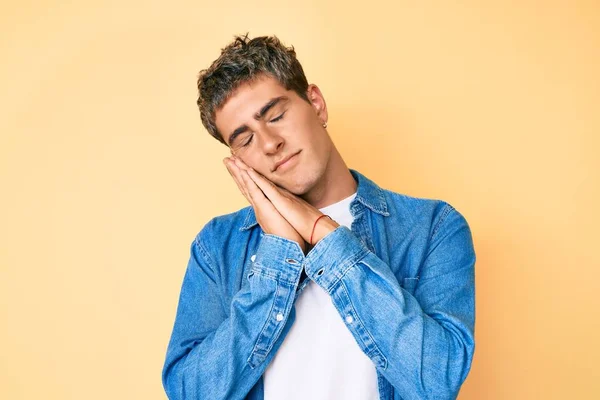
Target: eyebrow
(259, 115)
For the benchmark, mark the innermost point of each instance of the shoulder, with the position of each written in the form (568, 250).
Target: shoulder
(432, 213)
(222, 228)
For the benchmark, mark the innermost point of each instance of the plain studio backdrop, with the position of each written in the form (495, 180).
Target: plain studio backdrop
(107, 173)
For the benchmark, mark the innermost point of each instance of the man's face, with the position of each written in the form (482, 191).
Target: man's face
(264, 123)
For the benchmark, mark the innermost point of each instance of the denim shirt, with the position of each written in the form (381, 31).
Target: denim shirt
(402, 279)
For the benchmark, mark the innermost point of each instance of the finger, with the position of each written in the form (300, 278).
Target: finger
(240, 164)
(291, 207)
(272, 192)
(267, 188)
(235, 174)
(258, 197)
(266, 214)
(227, 163)
(243, 167)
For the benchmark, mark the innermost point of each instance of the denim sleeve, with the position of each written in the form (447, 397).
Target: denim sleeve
(217, 355)
(423, 344)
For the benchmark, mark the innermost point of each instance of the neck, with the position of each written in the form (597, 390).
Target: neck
(335, 185)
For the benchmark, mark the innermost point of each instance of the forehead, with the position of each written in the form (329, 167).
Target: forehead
(245, 101)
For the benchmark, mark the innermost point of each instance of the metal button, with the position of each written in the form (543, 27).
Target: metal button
(279, 317)
(253, 257)
(349, 319)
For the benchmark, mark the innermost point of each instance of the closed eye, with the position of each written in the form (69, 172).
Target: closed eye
(248, 141)
(277, 118)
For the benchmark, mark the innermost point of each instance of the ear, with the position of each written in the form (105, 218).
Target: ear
(317, 101)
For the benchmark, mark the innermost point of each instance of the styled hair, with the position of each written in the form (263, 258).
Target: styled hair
(242, 61)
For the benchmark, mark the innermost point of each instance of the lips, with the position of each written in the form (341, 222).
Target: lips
(283, 161)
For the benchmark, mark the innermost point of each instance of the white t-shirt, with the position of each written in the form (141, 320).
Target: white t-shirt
(319, 358)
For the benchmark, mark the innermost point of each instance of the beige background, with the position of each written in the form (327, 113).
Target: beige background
(107, 173)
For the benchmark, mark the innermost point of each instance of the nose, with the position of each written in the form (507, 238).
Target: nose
(271, 141)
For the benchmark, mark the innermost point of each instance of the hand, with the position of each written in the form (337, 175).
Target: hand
(297, 212)
(269, 219)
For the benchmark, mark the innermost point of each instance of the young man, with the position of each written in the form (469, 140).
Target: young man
(280, 301)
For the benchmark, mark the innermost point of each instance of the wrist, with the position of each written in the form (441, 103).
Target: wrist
(323, 228)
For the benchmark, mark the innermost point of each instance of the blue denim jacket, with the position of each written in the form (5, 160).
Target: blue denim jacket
(404, 272)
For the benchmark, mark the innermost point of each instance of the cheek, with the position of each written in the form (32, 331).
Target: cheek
(304, 129)
(257, 163)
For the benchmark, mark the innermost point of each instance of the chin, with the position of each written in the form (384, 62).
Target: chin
(293, 187)
(302, 184)
(298, 191)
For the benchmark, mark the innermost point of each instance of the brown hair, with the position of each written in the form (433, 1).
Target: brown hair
(241, 61)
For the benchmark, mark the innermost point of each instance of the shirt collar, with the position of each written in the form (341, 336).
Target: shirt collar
(368, 194)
